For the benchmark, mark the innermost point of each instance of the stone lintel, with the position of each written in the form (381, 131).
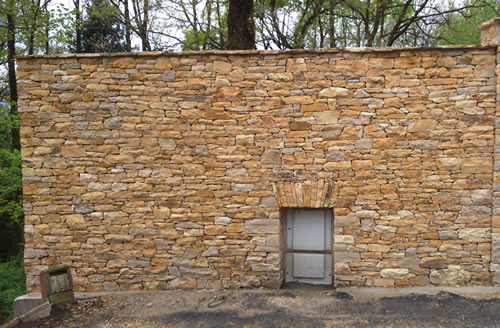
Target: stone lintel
(307, 194)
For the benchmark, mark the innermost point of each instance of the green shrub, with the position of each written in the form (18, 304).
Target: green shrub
(12, 285)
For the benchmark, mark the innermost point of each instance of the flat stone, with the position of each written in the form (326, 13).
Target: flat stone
(433, 263)
(477, 165)
(346, 256)
(113, 123)
(347, 221)
(271, 156)
(193, 169)
(365, 214)
(222, 67)
(168, 76)
(161, 213)
(448, 235)
(422, 125)
(222, 220)
(449, 277)
(474, 234)
(262, 226)
(327, 117)
(138, 263)
(423, 144)
(73, 151)
(124, 62)
(32, 253)
(401, 273)
(75, 221)
(67, 98)
(111, 238)
(333, 92)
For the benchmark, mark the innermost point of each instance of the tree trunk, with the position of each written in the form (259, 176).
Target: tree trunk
(331, 23)
(47, 44)
(11, 58)
(78, 26)
(145, 25)
(240, 25)
(31, 43)
(128, 38)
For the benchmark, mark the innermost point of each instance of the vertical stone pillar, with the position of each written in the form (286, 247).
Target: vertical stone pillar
(490, 36)
(495, 221)
(490, 32)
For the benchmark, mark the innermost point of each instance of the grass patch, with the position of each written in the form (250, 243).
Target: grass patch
(12, 285)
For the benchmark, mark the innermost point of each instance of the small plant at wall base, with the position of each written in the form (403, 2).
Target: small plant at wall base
(12, 285)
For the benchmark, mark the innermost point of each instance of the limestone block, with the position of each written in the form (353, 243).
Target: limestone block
(193, 169)
(161, 213)
(262, 226)
(450, 277)
(333, 92)
(113, 123)
(222, 67)
(271, 156)
(346, 256)
(474, 234)
(228, 94)
(448, 235)
(347, 221)
(367, 214)
(265, 267)
(124, 62)
(450, 163)
(168, 76)
(394, 273)
(327, 117)
(422, 125)
(32, 253)
(73, 151)
(75, 221)
(433, 262)
(477, 165)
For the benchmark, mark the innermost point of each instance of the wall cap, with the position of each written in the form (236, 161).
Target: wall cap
(255, 52)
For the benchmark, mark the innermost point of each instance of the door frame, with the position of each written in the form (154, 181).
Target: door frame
(283, 240)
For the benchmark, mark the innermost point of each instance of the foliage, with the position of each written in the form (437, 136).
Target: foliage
(101, 30)
(7, 122)
(12, 285)
(11, 208)
(461, 28)
(11, 186)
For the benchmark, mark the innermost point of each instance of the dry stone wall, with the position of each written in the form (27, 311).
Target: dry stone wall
(160, 171)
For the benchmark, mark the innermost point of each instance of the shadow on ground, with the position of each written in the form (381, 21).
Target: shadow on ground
(293, 307)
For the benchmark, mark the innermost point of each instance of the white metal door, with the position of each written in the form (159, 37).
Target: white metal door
(309, 246)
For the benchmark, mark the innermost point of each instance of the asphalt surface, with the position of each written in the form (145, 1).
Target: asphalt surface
(292, 307)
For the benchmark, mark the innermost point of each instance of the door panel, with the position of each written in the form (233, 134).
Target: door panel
(309, 243)
(308, 230)
(309, 265)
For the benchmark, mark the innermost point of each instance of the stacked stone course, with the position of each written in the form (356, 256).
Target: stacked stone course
(161, 171)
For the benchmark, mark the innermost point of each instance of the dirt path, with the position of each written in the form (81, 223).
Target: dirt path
(301, 307)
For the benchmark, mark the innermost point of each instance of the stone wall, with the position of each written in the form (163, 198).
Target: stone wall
(156, 171)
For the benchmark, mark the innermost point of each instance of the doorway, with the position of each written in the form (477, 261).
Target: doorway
(308, 253)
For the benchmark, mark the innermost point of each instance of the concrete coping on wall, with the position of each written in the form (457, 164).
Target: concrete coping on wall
(259, 52)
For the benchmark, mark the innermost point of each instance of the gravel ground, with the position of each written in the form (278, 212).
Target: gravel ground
(291, 307)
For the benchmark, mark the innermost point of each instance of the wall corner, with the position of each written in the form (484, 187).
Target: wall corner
(495, 220)
(490, 32)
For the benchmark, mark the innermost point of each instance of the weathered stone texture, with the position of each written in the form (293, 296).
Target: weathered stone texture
(155, 171)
